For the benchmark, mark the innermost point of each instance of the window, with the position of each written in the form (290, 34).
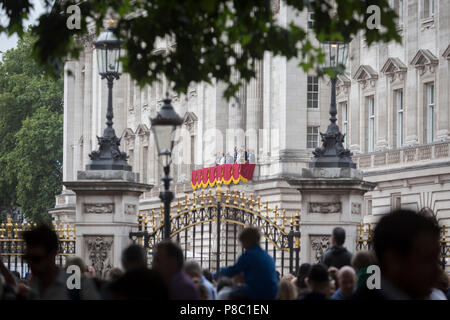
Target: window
(313, 92)
(428, 9)
(312, 137)
(371, 124)
(368, 201)
(310, 20)
(398, 8)
(344, 122)
(399, 116)
(131, 157)
(396, 201)
(144, 164)
(430, 112)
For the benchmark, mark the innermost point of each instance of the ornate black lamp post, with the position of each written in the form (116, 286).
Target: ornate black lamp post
(332, 153)
(163, 125)
(108, 157)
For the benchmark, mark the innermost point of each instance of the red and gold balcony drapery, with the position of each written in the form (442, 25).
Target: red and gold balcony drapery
(225, 173)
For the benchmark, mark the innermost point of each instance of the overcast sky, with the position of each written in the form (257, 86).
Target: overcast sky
(10, 42)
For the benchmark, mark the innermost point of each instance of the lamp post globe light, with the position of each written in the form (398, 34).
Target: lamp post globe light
(332, 153)
(163, 125)
(108, 156)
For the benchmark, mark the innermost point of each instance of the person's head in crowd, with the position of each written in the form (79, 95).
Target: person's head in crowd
(287, 290)
(407, 248)
(224, 282)
(303, 272)
(41, 249)
(168, 259)
(77, 261)
(208, 275)
(134, 257)
(138, 284)
(288, 276)
(318, 280)
(204, 293)
(249, 237)
(193, 269)
(114, 274)
(338, 236)
(333, 273)
(363, 259)
(347, 280)
(91, 272)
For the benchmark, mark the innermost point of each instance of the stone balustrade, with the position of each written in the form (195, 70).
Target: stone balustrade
(402, 156)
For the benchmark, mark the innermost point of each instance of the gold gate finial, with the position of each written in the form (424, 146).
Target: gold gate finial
(219, 191)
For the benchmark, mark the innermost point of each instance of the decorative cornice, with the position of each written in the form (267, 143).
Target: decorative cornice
(189, 119)
(446, 53)
(425, 61)
(366, 75)
(394, 68)
(142, 129)
(343, 84)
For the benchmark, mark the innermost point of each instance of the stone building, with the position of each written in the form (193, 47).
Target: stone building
(393, 106)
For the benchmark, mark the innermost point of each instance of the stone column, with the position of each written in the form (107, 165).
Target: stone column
(87, 105)
(254, 107)
(330, 197)
(107, 203)
(69, 95)
(236, 107)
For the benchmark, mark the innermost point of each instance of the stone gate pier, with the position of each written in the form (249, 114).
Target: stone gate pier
(330, 197)
(107, 203)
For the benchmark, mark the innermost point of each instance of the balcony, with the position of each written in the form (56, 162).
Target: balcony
(403, 156)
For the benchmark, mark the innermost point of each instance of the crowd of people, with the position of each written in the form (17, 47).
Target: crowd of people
(406, 251)
(242, 155)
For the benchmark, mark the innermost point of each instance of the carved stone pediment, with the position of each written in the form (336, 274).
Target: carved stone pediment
(343, 84)
(394, 68)
(324, 207)
(143, 133)
(129, 137)
(98, 208)
(446, 53)
(366, 76)
(425, 61)
(142, 129)
(189, 120)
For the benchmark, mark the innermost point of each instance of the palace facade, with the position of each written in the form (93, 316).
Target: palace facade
(393, 106)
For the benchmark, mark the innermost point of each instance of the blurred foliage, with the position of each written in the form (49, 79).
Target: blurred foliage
(31, 133)
(205, 34)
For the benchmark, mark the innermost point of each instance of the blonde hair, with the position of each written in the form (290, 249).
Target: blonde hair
(287, 290)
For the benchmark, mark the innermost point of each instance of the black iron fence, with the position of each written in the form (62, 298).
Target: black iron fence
(207, 226)
(12, 246)
(365, 236)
